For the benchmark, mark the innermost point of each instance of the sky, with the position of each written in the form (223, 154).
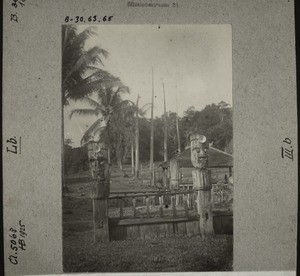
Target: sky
(193, 61)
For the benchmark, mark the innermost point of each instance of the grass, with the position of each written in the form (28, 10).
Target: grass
(159, 255)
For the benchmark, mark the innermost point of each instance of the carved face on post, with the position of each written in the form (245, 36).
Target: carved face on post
(199, 146)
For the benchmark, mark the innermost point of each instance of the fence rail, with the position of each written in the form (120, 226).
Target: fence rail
(170, 203)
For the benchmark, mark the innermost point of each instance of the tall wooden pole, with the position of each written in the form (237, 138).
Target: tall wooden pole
(137, 140)
(132, 156)
(152, 135)
(201, 183)
(165, 128)
(177, 126)
(100, 168)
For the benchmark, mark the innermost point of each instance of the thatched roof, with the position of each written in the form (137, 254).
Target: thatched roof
(216, 159)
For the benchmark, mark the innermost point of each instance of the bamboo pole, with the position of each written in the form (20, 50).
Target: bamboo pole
(177, 125)
(152, 135)
(137, 140)
(132, 157)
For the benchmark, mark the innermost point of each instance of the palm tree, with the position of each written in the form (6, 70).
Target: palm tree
(107, 104)
(125, 128)
(80, 67)
(80, 72)
(137, 112)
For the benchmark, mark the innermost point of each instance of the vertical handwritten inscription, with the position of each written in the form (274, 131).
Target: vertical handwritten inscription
(287, 149)
(13, 145)
(17, 242)
(16, 4)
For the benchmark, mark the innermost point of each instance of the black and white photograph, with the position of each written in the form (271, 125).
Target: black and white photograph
(147, 160)
(147, 136)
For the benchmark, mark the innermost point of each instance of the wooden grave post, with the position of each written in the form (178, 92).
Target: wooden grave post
(101, 176)
(174, 174)
(201, 183)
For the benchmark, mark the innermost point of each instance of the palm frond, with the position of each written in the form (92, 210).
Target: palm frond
(83, 36)
(114, 94)
(84, 112)
(90, 57)
(92, 103)
(91, 131)
(142, 111)
(124, 89)
(122, 105)
(88, 88)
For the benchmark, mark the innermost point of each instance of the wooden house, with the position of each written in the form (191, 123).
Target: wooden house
(220, 168)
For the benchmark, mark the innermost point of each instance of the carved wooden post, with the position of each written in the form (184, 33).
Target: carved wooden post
(230, 171)
(201, 183)
(101, 175)
(165, 178)
(174, 173)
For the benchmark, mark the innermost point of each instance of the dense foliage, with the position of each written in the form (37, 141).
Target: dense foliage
(214, 121)
(120, 123)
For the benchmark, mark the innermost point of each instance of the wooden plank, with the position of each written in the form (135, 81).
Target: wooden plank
(175, 228)
(142, 180)
(118, 233)
(185, 203)
(120, 201)
(147, 206)
(161, 231)
(173, 206)
(177, 196)
(155, 220)
(181, 227)
(143, 231)
(155, 230)
(195, 202)
(161, 206)
(222, 212)
(230, 171)
(192, 228)
(150, 231)
(189, 201)
(133, 232)
(152, 200)
(141, 194)
(169, 230)
(134, 207)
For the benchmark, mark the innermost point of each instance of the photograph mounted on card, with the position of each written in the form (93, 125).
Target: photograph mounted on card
(143, 136)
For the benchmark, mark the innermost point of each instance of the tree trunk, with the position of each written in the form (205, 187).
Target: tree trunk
(137, 140)
(108, 154)
(65, 186)
(108, 145)
(165, 128)
(120, 154)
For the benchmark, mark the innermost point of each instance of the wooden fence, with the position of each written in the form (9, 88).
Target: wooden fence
(156, 214)
(151, 214)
